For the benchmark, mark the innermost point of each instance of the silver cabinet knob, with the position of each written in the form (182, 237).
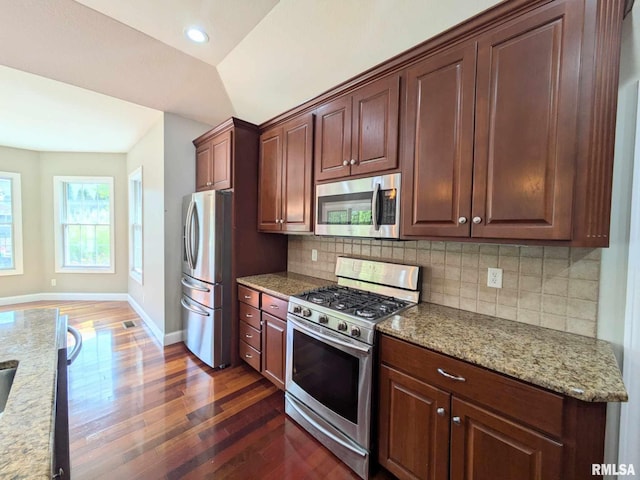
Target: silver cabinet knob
(281, 220)
(477, 220)
(456, 420)
(462, 220)
(345, 162)
(352, 162)
(440, 411)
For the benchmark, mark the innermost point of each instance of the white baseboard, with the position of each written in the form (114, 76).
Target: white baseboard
(161, 338)
(52, 297)
(174, 337)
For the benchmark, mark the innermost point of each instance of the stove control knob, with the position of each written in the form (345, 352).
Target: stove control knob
(297, 309)
(355, 331)
(342, 326)
(323, 319)
(306, 312)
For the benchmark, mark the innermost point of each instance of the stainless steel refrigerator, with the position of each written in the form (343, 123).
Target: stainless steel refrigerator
(206, 275)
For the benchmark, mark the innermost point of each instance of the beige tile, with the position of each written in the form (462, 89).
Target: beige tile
(487, 294)
(583, 289)
(585, 270)
(468, 304)
(578, 254)
(452, 273)
(489, 249)
(398, 253)
(437, 257)
(437, 285)
(510, 279)
(470, 248)
(509, 251)
(557, 322)
(424, 244)
(581, 327)
(411, 244)
(486, 261)
(531, 265)
(556, 267)
(436, 297)
(509, 263)
(532, 252)
(469, 290)
(348, 248)
(508, 297)
(554, 304)
(556, 252)
(509, 313)
(339, 247)
(330, 247)
(530, 283)
(451, 301)
(486, 308)
(438, 246)
(424, 257)
(556, 286)
(451, 287)
(530, 301)
(386, 252)
(528, 316)
(470, 260)
(470, 275)
(583, 309)
(424, 293)
(365, 250)
(453, 247)
(376, 251)
(453, 258)
(356, 249)
(437, 271)
(410, 255)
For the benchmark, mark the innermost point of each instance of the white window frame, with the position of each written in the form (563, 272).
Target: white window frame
(136, 176)
(58, 205)
(16, 215)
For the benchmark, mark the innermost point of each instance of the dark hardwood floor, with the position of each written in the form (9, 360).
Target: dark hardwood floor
(140, 411)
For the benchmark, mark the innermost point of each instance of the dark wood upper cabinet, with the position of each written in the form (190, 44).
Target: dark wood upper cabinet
(358, 133)
(438, 162)
(526, 110)
(204, 165)
(213, 161)
(285, 185)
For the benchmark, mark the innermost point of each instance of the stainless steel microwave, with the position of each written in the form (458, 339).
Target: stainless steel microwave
(365, 207)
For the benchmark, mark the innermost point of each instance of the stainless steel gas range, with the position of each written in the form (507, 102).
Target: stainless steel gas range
(330, 352)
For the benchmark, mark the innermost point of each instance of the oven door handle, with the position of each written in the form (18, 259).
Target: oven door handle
(325, 431)
(326, 338)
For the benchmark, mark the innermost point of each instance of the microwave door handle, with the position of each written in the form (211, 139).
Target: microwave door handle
(374, 206)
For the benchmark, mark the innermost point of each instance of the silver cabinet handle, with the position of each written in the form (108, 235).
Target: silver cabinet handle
(248, 336)
(456, 420)
(345, 163)
(352, 162)
(248, 315)
(440, 411)
(462, 220)
(477, 220)
(247, 297)
(275, 307)
(452, 377)
(248, 355)
(78, 346)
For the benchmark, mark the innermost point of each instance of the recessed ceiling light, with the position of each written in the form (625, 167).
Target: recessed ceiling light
(196, 34)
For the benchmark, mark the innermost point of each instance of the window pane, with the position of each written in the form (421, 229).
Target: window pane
(6, 246)
(6, 214)
(6, 225)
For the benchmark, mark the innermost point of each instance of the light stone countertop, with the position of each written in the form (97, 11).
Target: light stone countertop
(576, 366)
(26, 426)
(283, 284)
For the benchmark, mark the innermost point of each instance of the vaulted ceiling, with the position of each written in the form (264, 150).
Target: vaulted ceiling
(263, 57)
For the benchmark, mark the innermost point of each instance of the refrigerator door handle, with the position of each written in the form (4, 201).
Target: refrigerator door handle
(193, 309)
(187, 235)
(194, 230)
(188, 284)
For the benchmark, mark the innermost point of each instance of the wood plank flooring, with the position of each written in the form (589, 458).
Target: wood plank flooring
(140, 411)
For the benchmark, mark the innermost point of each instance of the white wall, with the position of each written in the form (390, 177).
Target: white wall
(149, 153)
(180, 174)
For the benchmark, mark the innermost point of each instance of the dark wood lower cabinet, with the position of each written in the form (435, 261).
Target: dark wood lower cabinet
(274, 344)
(441, 418)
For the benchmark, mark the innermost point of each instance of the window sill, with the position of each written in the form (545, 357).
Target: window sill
(85, 270)
(13, 271)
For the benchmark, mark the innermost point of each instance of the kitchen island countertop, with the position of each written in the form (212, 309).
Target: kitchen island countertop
(283, 284)
(30, 338)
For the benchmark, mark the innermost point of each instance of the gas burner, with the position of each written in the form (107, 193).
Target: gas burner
(317, 299)
(340, 306)
(366, 313)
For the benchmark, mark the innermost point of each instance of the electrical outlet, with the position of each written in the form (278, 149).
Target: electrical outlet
(53, 282)
(314, 255)
(494, 278)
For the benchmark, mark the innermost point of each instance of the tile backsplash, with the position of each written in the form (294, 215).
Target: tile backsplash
(554, 287)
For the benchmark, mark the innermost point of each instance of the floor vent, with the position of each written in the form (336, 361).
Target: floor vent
(128, 324)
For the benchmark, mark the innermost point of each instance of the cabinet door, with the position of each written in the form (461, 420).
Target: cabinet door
(333, 139)
(297, 186)
(438, 159)
(413, 440)
(486, 446)
(203, 167)
(526, 111)
(221, 167)
(270, 180)
(374, 138)
(274, 342)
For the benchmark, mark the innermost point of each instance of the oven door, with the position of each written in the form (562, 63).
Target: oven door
(331, 375)
(365, 207)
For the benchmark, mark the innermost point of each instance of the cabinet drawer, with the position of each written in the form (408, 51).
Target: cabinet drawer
(248, 296)
(274, 306)
(250, 315)
(250, 355)
(539, 408)
(250, 335)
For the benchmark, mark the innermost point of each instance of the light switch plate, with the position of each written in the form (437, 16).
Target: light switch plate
(314, 255)
(494, 278)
